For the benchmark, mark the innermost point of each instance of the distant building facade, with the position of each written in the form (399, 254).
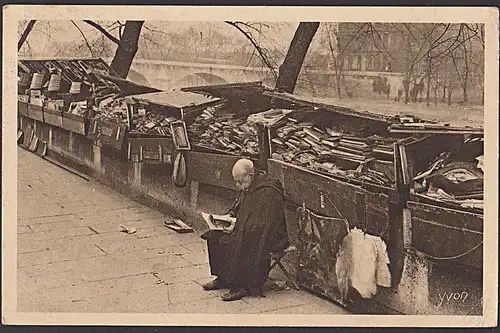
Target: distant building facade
(382, 50)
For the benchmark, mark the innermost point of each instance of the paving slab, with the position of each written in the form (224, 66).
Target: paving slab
(73, 256)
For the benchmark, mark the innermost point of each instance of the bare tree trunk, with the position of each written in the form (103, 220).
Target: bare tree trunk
(25, 34)
(406, 87)
(290, 69)
(450, 91)
(338, 78)
(339, 84)
(466, 79)
(127, 48)
(466, 74)
(436, 86)
(428, 83)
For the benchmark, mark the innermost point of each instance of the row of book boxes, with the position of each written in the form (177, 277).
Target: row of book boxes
(54, 112)
(307, 155)
(51, 91)
(445, 198)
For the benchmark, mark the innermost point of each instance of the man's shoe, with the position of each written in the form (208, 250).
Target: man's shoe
(214, 285)
(235, 295)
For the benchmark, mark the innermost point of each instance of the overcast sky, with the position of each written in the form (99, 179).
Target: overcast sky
(45, 32)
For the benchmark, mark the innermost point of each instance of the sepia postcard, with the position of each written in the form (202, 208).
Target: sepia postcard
(353, 149)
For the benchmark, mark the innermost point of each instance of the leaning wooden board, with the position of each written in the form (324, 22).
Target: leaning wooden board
(446, 233)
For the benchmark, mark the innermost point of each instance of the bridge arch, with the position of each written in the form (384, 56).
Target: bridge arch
(198, 79)
(137, 77)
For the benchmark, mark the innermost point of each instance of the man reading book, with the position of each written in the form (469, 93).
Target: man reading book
(241, 260)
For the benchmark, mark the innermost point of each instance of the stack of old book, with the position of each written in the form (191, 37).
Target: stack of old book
(295, 137)
(383, 148)
(299, 136)
(455, 178)
(78, 108)
(303, 144)
(375, 177)
(142, 122)
(234, 136)
(152, 123)
(113, 110)
(354, 148)
(200, 125)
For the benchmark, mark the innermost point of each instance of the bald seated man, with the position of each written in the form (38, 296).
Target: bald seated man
(241, 260)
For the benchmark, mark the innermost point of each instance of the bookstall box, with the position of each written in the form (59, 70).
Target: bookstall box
(155, 116)
(445, 214)
(336, 164)
(318, 155)
(220, 135)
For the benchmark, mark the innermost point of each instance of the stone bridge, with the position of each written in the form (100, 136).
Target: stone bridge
(168, 75)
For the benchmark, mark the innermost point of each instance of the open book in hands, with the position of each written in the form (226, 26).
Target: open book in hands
(217, 225)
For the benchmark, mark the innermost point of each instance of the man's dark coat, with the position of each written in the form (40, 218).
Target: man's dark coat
(242, 258)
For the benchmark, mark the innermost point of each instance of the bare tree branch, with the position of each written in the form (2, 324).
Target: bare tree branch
(103, 31)
(84, 38)
(120, 29)
(257, 47)
(453, 47)
(25, 34)
(385, 54)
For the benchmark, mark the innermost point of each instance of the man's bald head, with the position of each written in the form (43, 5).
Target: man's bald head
(243, 167)
(243, 172)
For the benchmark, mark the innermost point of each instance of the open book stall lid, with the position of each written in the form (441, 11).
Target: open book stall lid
(174, 99)
(86, 70)
(72, 69)
(246, 91)
(126, 87)
(399, 117)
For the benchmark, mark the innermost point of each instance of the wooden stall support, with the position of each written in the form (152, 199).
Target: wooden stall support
(50, 138)
(71, 143)
(263, 133)
(96, 149)
(193, 193)
(135, 173)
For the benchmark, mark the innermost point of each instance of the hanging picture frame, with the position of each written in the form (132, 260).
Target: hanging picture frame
(179, 135)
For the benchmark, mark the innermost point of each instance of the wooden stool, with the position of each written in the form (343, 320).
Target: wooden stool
(276, 260)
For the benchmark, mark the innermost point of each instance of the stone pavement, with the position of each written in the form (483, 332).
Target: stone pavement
(72, 256)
